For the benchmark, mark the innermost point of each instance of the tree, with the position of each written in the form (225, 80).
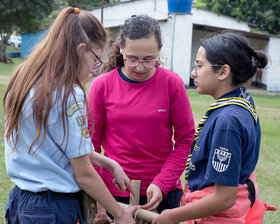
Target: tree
(264, 14)
(87, 4)
(21, 15)
(31, 15)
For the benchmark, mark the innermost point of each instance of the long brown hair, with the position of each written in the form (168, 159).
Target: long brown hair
(53, 66)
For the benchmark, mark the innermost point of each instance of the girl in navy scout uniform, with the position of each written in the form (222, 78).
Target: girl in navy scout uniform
(48, 152)
(220, 182)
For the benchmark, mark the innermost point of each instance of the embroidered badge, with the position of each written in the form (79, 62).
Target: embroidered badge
(74, 107)
(221, 159)
(81, 120)
(192, 166)
(196, 148)
(85, 133)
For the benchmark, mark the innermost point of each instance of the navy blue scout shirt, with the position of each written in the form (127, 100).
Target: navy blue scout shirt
(227, 149)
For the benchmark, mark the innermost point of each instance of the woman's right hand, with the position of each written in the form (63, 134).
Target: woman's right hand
(121, 180)
(126, 216)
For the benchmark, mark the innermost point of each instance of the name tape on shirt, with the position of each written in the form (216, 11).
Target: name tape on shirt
(74, 107)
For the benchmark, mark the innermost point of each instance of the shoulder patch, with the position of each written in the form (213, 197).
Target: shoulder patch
(221, 159)
(74, 107)
(85, 133)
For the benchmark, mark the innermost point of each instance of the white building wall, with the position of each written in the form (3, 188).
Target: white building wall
(115, 15)
(198, 36)
(273, 70)
(179, 52)
(177, 43)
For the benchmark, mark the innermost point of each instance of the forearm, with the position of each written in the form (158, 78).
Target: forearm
(171, 170)
(90, 182)
(121, 180)
(214, 203)
(95, 188)
(103, 161)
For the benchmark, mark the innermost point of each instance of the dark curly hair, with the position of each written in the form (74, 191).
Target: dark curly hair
(134, 28)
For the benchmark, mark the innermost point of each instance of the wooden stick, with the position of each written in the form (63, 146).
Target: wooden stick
(136, 186)
(89, 208)
(143, 214)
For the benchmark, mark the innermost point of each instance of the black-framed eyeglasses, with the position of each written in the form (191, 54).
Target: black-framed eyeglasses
(135, 63)
(198, 66)
(99, 62)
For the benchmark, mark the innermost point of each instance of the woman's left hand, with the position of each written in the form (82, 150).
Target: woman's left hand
(121, 180)
(154, 197)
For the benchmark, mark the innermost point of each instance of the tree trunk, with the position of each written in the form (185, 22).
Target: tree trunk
(3, 47)
(3, 53)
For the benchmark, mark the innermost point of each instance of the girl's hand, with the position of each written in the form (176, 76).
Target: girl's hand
(121, 180)
(154, 197)
(126, 217)
(101, 216)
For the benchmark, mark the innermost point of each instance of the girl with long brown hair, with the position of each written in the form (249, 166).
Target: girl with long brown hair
(48, 151)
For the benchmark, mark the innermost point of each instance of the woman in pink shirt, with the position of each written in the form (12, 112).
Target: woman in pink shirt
(137, 108)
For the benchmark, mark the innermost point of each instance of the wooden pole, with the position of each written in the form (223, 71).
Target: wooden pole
(143, 214)
(136, 186)
(89, 208)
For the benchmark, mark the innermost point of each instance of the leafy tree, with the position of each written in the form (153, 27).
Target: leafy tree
(21, 15)
(87, 4)
(264, 14)
(31, 15)
(82, 4)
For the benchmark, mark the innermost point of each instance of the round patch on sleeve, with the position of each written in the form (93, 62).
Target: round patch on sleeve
(85, 133)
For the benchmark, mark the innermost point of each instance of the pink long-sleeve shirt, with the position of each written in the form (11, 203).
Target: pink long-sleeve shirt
(135, 123)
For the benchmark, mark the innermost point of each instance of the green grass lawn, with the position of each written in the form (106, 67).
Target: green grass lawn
(5, 184)
(13, 49)
(267, 170)
(7, 69)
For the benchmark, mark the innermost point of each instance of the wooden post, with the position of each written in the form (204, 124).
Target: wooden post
(136, 186)
(89, 208)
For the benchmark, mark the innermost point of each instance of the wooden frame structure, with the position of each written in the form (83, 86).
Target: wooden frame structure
(141, 216)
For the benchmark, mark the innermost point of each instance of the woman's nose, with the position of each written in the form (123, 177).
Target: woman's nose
(140, 67)
(193, 73)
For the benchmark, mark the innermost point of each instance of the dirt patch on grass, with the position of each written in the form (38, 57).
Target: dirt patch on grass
(4, 79)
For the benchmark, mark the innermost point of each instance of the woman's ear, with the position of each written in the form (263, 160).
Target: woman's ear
(121, 51)
(80, 47)
(224, 72)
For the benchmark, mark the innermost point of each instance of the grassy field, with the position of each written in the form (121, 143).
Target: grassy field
(267, 170)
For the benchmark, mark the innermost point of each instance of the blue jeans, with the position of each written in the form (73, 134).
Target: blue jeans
(28, 208)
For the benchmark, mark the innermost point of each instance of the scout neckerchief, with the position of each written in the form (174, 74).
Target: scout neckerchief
(216, 105)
